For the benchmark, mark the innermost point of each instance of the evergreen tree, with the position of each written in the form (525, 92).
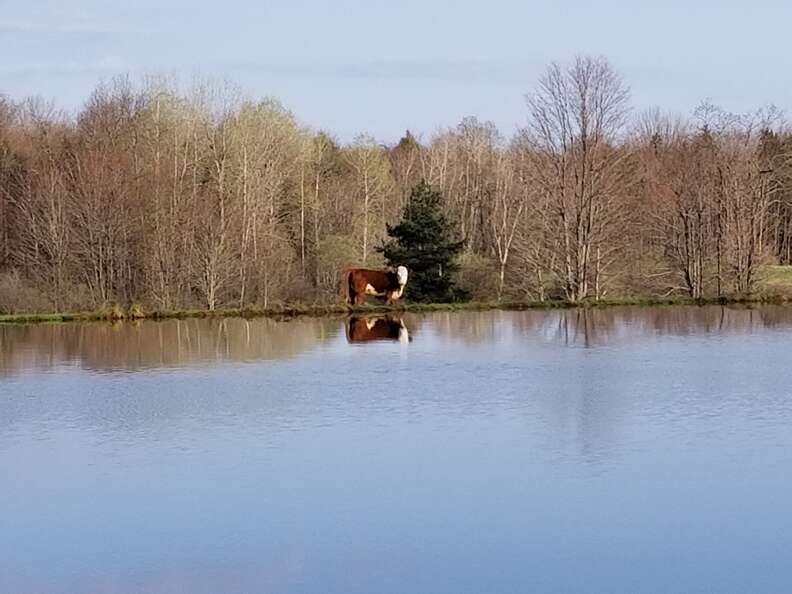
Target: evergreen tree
(427, 243)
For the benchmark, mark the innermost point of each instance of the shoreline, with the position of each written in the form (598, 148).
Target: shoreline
(115, 314)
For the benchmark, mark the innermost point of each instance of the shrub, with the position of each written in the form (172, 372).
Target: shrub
(19, 295)
(112, 312)
(478, 276)
(135, 312)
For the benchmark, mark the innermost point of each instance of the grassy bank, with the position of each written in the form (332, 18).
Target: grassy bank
(776, 280)
(296, 310)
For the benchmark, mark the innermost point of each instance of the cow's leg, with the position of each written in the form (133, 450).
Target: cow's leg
(360, 298)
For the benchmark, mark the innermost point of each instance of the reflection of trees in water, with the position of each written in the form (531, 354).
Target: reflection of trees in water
(568, 326)
(586, 400)
(181, 342)
(684, 321)
(690, 320)
(466, 327)
(106, 346)
(602, 326)
(159, 406)
(148, 344)
(584, 327)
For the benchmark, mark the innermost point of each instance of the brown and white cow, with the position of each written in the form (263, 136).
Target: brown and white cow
(361, 329)
(359, 282)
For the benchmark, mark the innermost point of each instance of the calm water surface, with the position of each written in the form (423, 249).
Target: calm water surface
(619, 450)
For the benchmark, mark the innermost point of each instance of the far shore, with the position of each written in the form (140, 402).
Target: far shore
(115, 313)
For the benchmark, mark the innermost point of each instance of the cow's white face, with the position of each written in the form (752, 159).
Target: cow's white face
(401, 274)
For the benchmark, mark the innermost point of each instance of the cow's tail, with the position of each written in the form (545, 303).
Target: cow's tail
(345, 287)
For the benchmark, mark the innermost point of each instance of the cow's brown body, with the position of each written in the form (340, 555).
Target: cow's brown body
(360, 282)
(361, 329)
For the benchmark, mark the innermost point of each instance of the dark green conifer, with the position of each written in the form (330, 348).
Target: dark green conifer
(427, 243)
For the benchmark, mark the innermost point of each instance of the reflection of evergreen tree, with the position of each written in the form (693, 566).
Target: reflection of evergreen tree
(427, 244)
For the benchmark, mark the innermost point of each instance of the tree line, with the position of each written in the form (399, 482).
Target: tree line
(206, 198)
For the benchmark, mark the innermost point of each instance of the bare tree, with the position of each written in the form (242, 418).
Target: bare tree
(205, 198)
(41, 204)
(508, 202)
(374, 184)
(684, 210)
(575, 118)
(265, 156)
(746, 195)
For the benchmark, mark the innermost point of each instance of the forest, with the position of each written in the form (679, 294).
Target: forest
(205, 198)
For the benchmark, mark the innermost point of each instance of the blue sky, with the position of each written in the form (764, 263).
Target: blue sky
(381, 67)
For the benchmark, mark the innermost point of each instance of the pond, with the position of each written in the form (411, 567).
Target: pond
(604, 450)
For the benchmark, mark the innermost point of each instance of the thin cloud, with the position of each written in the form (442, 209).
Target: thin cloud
(109, 64)
(67, 27)
(460, 71)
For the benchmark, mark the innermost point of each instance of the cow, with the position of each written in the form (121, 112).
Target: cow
(388, 284)
(360, 329)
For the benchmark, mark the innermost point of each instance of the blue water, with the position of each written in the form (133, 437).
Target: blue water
(620, 450)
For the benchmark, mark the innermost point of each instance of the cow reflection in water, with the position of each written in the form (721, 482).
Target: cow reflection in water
(365, 329)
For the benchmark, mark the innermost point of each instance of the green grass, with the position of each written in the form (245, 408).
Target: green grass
(297, 310)
(776, 280)
(35, 317)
